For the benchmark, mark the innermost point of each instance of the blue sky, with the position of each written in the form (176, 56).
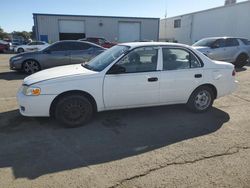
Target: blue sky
(17, 15)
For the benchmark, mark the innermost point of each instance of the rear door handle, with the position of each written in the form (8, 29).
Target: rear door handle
(153, 79)
(198, 75)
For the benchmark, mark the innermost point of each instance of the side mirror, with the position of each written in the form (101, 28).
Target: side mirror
(116, 69)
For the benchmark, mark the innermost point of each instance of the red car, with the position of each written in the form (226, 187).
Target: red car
(100, 41)
(4, 47)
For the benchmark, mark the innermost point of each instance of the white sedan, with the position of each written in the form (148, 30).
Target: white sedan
(32, 46)
(128, 75)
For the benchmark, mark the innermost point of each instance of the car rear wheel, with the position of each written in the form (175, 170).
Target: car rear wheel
(31, 66)
(201, 99)
(20, 50)
(73, 110)
(241, 61)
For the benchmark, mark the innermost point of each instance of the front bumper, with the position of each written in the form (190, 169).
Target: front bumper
(15, 65)
(36, 106)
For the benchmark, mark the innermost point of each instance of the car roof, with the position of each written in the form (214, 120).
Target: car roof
(222, 38)
(141, 44)
(80, 41)
(94, 38)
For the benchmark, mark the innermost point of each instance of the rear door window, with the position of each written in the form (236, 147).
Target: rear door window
(176, 59)
(32, 44)
(220, 43)
(77, 46)
(60, 46)
(232, 42)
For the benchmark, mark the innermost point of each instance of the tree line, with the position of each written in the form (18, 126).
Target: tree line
(25, 34)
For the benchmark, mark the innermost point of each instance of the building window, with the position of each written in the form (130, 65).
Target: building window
(177, 23)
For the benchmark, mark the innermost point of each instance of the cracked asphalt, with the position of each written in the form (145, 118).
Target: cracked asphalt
(151, 147)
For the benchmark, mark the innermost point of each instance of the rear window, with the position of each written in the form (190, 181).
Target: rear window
(245, 41)
(40, 43)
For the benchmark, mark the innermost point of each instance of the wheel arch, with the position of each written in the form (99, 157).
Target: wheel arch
(83, 93)
(211, 86)
(20, 47)
(240, 53)
(31, 59)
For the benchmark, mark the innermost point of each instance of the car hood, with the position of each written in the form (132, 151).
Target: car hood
(30, 53)
(57, 72)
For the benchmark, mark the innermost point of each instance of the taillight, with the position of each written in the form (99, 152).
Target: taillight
(234, 73)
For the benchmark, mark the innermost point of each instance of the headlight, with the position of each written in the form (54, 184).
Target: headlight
(31, 91)
(17, 58)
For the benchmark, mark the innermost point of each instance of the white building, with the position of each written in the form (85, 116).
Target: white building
(54, 27)
(230, 20)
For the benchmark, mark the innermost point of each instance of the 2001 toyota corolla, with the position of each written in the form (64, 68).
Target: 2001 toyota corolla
(127, 76)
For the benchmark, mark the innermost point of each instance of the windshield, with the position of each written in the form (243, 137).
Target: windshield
(205, 42)
(101, 61)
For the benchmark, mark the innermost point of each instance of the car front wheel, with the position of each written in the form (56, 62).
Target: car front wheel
(31, 66)
(20, 50)
(201, 99)
(73, 110)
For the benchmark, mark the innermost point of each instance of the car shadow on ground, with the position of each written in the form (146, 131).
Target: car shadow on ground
(248, 63)
(12, 75)
(240, 69)
(33, 147)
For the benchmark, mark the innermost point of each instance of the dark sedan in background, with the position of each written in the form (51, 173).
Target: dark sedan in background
(99, 41)
(59, 53)
(4, 46)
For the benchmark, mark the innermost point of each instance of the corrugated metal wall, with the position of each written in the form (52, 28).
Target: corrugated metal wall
(231, 20)
(48, 25)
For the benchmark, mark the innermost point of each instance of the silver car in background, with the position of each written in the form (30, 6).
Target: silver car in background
(57, 54)
(229, 49)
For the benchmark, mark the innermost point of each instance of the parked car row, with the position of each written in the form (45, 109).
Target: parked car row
(234, 50)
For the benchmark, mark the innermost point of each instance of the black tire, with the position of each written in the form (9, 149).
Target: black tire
(31, 66)
(20, 50)
(241, 61)
(73, 110)
(201, 100)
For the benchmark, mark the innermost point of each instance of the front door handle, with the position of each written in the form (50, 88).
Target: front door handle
(198, 75)
(153, 79)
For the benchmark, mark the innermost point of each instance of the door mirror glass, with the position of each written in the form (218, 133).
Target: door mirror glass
(116, 69)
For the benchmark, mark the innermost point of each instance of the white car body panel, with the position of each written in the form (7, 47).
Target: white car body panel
(30, 48)
(126, 90)
(177, 85)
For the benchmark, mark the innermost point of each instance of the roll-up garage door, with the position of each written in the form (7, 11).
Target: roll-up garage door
(71, 29)
(129, 31)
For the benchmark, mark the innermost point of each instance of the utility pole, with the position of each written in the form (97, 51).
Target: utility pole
(165, 20)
